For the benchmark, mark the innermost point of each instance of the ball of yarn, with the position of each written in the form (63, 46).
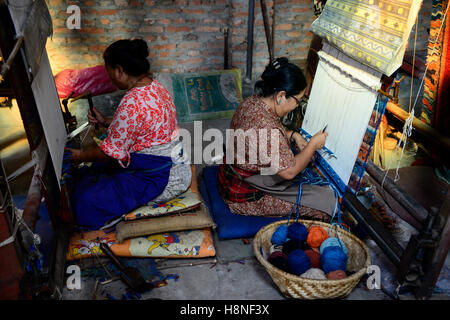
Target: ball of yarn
(279, 260)
(297, 231)
(336, 275)
(290, 246)
(298, 262)
(273, 248)
(333, 242)
(332, 259)
(314, 273)
(280, 235)
(314, 257)
(316, 236)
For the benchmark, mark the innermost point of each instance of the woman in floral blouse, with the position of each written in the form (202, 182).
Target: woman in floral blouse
(138, 161)
(280, 90)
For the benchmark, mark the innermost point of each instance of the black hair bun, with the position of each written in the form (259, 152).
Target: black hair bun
(139, 48)
(281, 75)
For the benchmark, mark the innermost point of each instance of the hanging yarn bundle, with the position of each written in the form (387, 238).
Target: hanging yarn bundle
(336, 275)
(297, 231)
(314, 257)
(332, 259)
(333, 242)
(280, 235)
(314, 273)
(316, 236)
(298, 262)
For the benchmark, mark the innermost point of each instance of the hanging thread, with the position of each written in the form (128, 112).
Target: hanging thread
(408, 126)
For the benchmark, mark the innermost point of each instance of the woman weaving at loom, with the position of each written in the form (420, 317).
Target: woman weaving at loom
(133, 165)
(244, 187)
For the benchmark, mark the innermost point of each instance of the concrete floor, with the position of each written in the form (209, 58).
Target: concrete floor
(236, 275)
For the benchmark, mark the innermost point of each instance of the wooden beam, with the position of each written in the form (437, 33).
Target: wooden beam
(432, 135)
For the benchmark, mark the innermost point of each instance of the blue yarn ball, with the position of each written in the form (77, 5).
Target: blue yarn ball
(297, 231)
(298, 262)
(332, 259)
(333, 242)
(280, 235)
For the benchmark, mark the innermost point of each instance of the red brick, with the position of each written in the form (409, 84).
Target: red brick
(190, 45)
(294, 34)
(164, 11)
(155, 29)
(98, 48)
(92, 30)
(165, 21)
(105, 12)
(285, 26)
(194, 11)
(193, 61)
(207, 29)
(240, 14)
(165, 46)
(299, 10)
(178, 29)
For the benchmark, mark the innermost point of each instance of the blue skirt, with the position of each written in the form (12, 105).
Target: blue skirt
(106, 191)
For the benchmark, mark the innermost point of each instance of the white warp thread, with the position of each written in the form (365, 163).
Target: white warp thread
(340, 100)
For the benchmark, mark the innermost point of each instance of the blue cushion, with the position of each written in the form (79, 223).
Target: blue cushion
(229, 225)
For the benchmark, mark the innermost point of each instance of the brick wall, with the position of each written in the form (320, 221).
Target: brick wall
(183, 35)
(186, 35)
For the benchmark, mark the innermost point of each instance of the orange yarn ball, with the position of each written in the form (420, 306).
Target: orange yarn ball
(336, 275)
(316, 236)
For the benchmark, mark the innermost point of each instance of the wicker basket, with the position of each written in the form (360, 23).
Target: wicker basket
(293, 286)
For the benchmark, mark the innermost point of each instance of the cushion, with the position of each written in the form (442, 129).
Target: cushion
(196, 219)
(228, 225)
(183, 244)
(184, 202)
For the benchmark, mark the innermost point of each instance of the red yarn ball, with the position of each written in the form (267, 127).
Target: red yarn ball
(336, 275)
(314, 257)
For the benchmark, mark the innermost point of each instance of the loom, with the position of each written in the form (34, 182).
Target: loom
(356, 46)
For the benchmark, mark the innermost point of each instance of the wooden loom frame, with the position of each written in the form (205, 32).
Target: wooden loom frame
(44, 183)
(419, 265)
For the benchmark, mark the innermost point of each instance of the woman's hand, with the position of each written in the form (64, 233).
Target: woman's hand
(76, 154)
(318, 140)
(299, 141)
(97, 118)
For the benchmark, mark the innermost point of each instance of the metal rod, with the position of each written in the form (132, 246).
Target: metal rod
(251, 17)
(267, 29)
(226, 64)
(374, 228)
(6, 66)
(410, 205)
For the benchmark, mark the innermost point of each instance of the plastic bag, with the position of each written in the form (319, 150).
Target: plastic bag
(93, 79)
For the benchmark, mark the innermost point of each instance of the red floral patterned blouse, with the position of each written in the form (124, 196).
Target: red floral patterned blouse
(146, 117)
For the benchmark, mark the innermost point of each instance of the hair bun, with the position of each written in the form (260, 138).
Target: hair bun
(139, 48)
